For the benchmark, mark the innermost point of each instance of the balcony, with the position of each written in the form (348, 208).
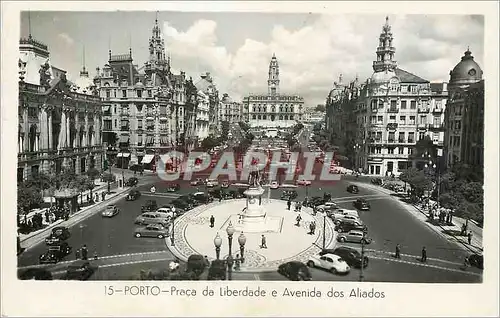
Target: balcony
(391, 140)
(392, 110)
(438, 110)
(422, 125)
(124, 114)
(392, 126)
(411, 141)
(423, 109)
(150, 128)
(436, 127)
(124, 128)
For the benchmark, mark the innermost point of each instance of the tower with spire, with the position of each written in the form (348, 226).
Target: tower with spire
(157, 56)
(273, 83)
(385, 51)
(84, 72)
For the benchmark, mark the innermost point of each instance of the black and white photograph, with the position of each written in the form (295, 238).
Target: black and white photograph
(247, 146)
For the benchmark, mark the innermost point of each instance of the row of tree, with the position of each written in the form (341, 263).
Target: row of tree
(30, 193)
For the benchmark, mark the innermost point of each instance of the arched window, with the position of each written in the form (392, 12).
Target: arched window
(264, 117)
(291, 117)
(273, 108)
(90, 137)
(258, 117)
(82, 134)
(286, 109)
(273, 117)
(253, 116)
(286, 117)
(254, 109)
(281, 109)
(32, 138)
(259, 109)
(72, 134)
(281, 117)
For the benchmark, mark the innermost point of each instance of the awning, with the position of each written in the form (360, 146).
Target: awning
(147, 159)
(119, 155)
(106, 108)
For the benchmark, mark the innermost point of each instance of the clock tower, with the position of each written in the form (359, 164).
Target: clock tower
(273, 83)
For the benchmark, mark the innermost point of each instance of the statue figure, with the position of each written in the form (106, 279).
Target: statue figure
(45, 74)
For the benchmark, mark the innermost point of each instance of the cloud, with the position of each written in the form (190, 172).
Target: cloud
(66, 38)
(312, 57)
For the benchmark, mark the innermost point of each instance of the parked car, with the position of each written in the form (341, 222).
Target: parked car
(289, 195)
(133, 195)
(166, 212)
(35, 274)
(362, 205)
(377, 181)
(329, 262)
(354, 236)
(348, 225)
(350, 255)
(295, 270)
(315, 201)
(151, 218)
(303, 182)
(132, 182)
(328, 206)
(110, 211)
(58, 234)
(274, 185)
(189, 199)
(173, 187)
(224, 184)
(151, 230)
(348, 217)
(336, 214)
(197, 182)
(477, 260)
(196, 263)
(202, 197)
(55, 253)
(181, 204)
(353, 189)
(80, 270)
(217, 270)
(149, 206)
(211, 183)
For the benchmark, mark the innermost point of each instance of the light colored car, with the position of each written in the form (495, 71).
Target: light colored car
(166, 212)
(328, 206)
(274, 185)
(303, 182)
(151, 230)
(197, 182)
(348, 217)
(111, 210)
(152, 218)
(329, 262)
(340, 213)
(211, 183)
(353, 236)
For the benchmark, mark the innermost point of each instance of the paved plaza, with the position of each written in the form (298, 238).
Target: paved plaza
(285, 240)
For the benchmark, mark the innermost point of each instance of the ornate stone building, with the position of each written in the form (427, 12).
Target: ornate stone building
(208, 114)
(230, 110)
(464, 117)
(59, 121)
(147, 110)
(393, 110)
(273, 110)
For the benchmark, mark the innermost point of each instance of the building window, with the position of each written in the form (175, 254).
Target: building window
(392, 137)
(291, 117)
(373, 119)
(116, 124)
(401, 137)
(410, 151)
(380, 119)
(390, 150)
(124, 93)
(393, 104)
(108, 94)
(412, 120)
(264, 117)
(139, 124)
(258, 117)
(411, 137)
(423, 119)
(380, 103)
(281, 117)
(254, 109)
(378, 150)
(458, 124)
(273, 109)
(150, 94)
(402, 120)
(139, 93)
(421, 135)
(379, 136)
(437, 121)
(401, 150)
(403, 104)
(413, 104)
(392, 119)
(114, 93)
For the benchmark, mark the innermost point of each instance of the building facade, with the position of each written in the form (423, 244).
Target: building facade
(229, 110)
(464, 116)
(394, 109)
(59, 121)
(312, 116)
(206, 87)
(273, 110)
(147, 110)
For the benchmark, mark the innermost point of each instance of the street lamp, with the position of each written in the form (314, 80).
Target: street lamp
(242, 240)
(217, 243)
(230, 231)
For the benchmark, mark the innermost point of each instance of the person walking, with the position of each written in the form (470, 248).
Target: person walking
(466, 264)
(289, 204)
(77, 254)
(300, 206)
(263, 242)
(424, 255)
(103, 195)
(398, 251)
(298, 219)
(84, 252)
(212, 221)
(469, 237)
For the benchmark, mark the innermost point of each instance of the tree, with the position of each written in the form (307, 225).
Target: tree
(208, 143)
(110, 138)
(244, 126)
(425, 146)
(28, 197)
(225, 129)
(408, 174)
(320, 108)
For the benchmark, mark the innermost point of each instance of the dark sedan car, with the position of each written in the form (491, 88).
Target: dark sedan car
(348, 254)
(361, 204)
(181, 204)
(133, 195)
(149, 206)
(476, 260)
(348, 225)
(132, 182)
(55, 253)
(173, 187)
(58, 234)
(80, 270)
(295, 270)
(202, 198)
(315, 201)
(353, 189)
(289, 195)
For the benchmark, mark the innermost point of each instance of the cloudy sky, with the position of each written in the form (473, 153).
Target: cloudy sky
(312, 49)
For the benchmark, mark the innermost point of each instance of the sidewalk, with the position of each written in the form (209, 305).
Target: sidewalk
(476, 245)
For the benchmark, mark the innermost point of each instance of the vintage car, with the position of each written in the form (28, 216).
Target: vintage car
(173, 187)
(181, 205)
(149, 206)
(58, 234)
(354, 236)
(55, 253)
(212, 183)
(189, 199)
(330, 262)
(111, 210)
(361, 204)
(197, 182)
(80, 270)
(133, 195)
(151, 230)
(202, 198)
(152, 218)
(303, 182)
(132, 182)
(289, 195)
(353, 189)
(295, 270)
(224, 184)
(349, 254)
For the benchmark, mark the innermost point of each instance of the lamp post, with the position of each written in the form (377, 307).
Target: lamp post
(361, 274)
(324, 230)
(356, 149)
(172, 239)
(230, 231)
(217, 243)
(242, 240)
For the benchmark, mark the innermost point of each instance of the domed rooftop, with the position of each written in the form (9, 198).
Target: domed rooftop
(382, 77)
(466, 71)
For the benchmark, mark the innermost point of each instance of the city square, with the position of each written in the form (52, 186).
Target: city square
(406, 153)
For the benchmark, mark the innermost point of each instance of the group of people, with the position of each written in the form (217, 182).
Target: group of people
(443, 216)
(38, 220)
(83, 253)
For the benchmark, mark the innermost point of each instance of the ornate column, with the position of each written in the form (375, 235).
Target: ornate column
(26, 127)
(68, 125)
(49, 139)
(62, 131)
(77, 127)
(85, 135)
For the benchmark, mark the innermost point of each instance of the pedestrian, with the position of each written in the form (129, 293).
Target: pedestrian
(296, 206)
(95, 255)
(289, 204)
(237, 263)
(84, 252)
(207, 262)
(300, 207)
(77, 254)
(103, 195)
(398, 251)
(466, 263)
(315, 210)
(263, 242)
(298, 219)
(311, 225)
(424, 255)
(220, 198)
(469, 237)
(47, 220)
(463, 229)
(212, 221)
